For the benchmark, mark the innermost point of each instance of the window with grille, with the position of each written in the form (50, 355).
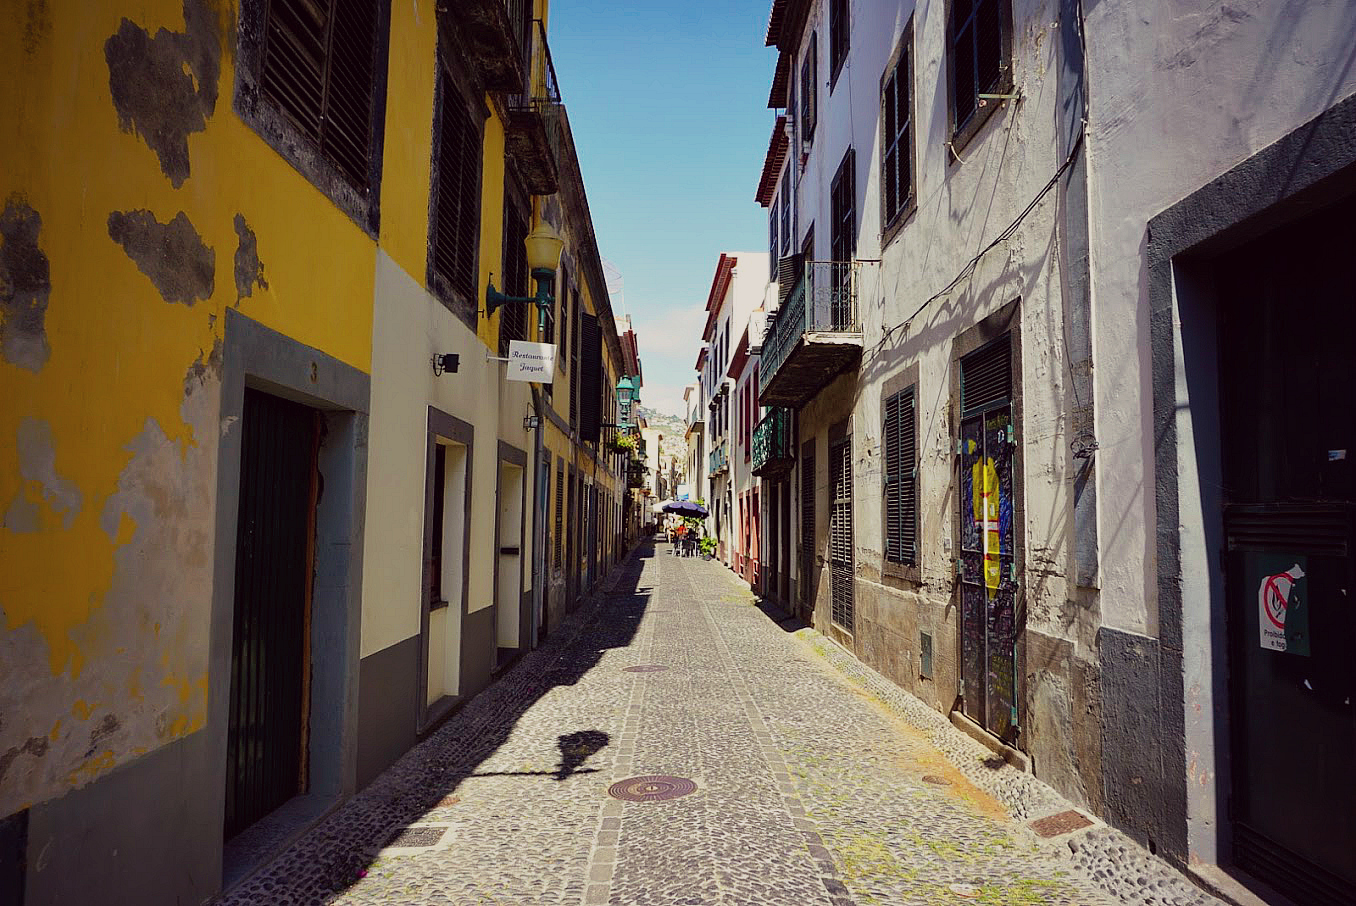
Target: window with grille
(840, 26)
(808, 89)
(843, 201)
(978, 40)
(513, 317)
(901, 477)
(897, 136)
(456, 211)
(319, 67)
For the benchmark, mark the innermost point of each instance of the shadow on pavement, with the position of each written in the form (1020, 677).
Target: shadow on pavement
(423, 778)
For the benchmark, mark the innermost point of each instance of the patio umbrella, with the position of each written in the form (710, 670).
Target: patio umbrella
(686, 508)
(659, 507)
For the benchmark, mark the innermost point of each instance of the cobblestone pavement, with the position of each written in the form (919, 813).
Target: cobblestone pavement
(816, 782)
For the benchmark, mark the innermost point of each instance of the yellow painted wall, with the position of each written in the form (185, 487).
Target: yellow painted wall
(106, 602)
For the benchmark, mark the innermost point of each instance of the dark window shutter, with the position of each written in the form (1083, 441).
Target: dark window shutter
(843, 200)
(900, 478)
(456, 225)
(986, 376)
(590, 379)
(789, 271)
(560, 515)
(808, 89)
(513, 317)
(318, 67)
(807, 523)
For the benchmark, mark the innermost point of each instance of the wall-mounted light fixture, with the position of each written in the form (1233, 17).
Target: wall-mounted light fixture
(531, 422)
(446, 362)
(544, 246)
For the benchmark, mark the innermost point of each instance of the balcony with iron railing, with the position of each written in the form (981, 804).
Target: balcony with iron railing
(815, 336)
(773, 453)
(532, 124)
(719, 460)
(493, 36)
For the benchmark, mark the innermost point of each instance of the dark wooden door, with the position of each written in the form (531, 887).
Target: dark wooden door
(270, 658)
(840, 535)
(987, 567)
(1287, 375)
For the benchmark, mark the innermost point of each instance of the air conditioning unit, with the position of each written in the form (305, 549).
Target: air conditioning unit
(789, 271)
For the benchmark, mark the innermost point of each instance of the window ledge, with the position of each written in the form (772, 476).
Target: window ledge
(962, 137)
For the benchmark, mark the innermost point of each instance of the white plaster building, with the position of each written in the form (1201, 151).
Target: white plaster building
(1034, 354)
(736, 289)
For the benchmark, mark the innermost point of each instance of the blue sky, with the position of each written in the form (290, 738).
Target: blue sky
(668, 104)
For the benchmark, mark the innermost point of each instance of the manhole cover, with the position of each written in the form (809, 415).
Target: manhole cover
(1061, 823)
(652, 788)
(408, 837)
(645, 668)
(935, 780)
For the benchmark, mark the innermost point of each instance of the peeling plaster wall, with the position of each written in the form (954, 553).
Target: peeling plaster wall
(122, 181)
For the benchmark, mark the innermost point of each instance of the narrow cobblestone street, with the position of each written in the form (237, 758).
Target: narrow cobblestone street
(810, 788)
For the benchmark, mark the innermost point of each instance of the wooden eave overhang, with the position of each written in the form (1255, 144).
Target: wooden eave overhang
(772, 164)
(781, 80)
(719, 283)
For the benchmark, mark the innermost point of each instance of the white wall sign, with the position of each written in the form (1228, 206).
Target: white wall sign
(531, 361)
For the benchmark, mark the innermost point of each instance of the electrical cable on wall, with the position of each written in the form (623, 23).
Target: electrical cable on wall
(968, 270)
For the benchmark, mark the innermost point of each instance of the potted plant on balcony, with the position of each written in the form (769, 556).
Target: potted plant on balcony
(621, 443)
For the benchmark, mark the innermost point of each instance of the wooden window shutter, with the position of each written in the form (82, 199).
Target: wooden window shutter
(456, 214)
(590, 379)
(900, 503)
(318, 67)
(986, 376)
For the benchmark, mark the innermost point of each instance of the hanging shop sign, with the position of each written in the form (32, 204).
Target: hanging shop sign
(531, 362)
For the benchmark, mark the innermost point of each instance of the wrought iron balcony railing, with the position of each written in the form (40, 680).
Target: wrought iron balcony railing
(772, 447)
(719, 460)
(532, 129)
(815, 334)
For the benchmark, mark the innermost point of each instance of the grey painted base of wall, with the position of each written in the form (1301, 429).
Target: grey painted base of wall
(1136, 733)
(148, 832)
(479, 651)
(388, 688)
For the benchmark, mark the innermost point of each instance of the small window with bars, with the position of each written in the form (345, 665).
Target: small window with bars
(840, 28)
(897, 136)
(319, 67)
(513, 317)
(978, 36)
(456, 209)
(901, 477)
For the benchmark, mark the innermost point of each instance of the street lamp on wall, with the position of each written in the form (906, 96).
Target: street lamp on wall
(544, 246)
